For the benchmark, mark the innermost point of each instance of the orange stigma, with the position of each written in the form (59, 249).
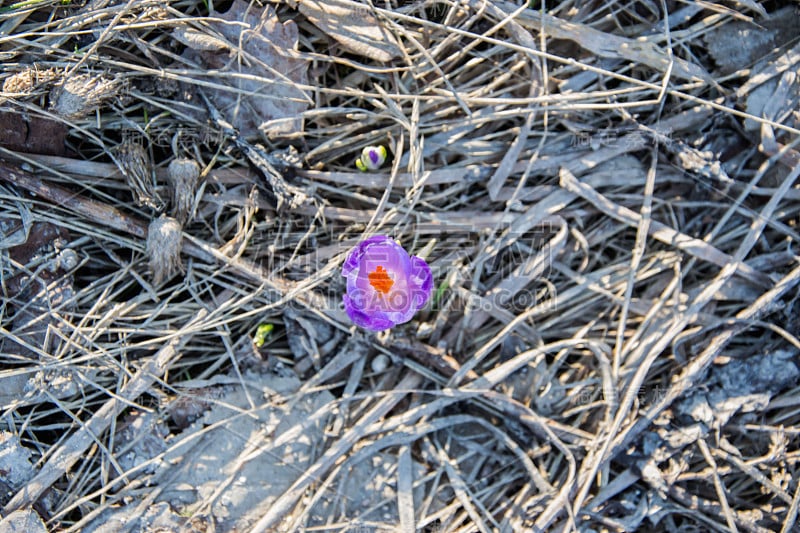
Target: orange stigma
(380, 280)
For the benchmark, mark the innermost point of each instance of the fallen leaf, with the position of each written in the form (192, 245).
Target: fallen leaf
(24, 520)
(31, 134)
(605, 44)
(37, 299)
(739, 44)
(258, 49)
(354, 26)
(218, 466)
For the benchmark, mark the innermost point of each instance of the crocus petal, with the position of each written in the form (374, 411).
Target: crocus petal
(364, 320)
(421, 280)
(351, 263)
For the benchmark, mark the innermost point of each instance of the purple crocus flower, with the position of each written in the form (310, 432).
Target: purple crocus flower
(372, 157)
(385, 286)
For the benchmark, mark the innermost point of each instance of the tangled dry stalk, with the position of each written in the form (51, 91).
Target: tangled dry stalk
(606, 193)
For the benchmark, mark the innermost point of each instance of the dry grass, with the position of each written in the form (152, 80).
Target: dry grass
(608, 204)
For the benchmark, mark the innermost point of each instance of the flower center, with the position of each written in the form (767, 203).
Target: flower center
(380, 280)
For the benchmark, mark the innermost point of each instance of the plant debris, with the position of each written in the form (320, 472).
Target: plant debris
(355, 26)
(77, 96)
(605, 193)
(164, 248)
(256, 53)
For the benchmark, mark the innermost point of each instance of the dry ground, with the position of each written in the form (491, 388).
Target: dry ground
(606, 193)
